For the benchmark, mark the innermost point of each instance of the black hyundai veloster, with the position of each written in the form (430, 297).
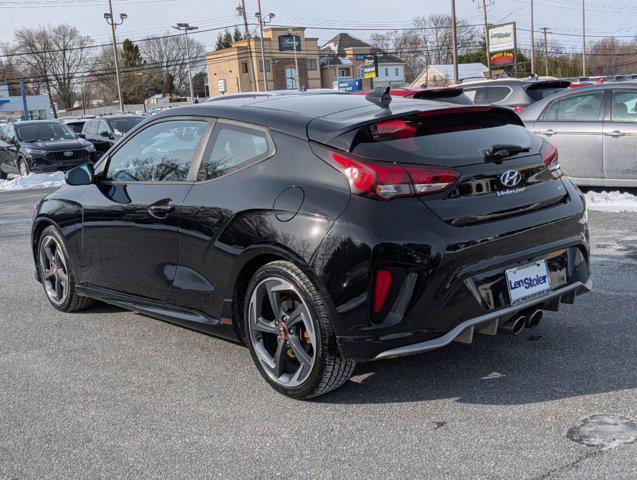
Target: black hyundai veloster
(321, 230)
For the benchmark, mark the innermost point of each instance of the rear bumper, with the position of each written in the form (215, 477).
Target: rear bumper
(489, 322)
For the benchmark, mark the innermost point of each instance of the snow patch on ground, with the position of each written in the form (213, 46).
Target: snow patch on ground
(33, 180)
(611, 202)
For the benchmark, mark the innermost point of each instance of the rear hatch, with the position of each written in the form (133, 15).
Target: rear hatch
(477, 164)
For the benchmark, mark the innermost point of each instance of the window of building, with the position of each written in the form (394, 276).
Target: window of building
(233, 146)
(311, 64)
(290, 79)
(267, 65)
(344, 72)
(244, 67)
(160, 153)
(387, 72)
(396, 74)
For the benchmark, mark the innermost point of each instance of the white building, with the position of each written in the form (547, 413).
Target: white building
(38, 106)
(442, 75)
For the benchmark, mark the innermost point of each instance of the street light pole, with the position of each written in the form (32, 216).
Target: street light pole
(262, 21)
(486, 35)
(188, 28)
(111, 21)
(532, 40)
(454, 42)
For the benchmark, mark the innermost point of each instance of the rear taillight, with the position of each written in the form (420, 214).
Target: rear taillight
(519, 108)
(381, 289)
(551, 160)
(385, 181)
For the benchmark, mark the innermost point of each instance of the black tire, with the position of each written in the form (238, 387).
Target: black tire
(3, 175)
(23, 166)
(329, 370)
(72, 302)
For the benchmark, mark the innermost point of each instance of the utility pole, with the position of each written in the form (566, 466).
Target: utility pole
(262, 21)
(296, 60)
(454, 42)
(486, 35)
(546, 52)
(188, 28)
(583, 38)
(111, 21)
(532, 40)
(241, 10)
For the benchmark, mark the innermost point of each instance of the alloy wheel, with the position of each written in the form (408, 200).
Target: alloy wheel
(282, 332)
(54, 270)
(24, 171)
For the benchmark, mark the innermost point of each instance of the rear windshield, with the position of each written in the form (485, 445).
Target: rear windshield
(543, 90)
(121, 126)
(451, 137)
(448, 96)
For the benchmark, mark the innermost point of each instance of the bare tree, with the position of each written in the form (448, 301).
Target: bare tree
(56, 56)
(10, 71)
(170, 55)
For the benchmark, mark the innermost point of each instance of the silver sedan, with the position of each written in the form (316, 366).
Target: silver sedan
(595, 131)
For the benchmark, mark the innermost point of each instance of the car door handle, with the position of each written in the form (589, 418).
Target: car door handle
(615, 134)
(161, 211)
(548, 132)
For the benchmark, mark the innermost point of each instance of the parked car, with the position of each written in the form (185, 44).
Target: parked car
(41, 146)
(76, 124)
(321, 230)
(515, 93)
(595, 130)
(443, 94)
(104, 131)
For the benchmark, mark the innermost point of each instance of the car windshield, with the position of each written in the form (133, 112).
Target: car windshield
(121, 126)
(41, 132)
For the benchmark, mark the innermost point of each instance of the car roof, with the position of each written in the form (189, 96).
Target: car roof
(33, 122)
(318, 117)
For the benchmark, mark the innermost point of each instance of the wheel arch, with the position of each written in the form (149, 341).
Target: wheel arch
(251, 260)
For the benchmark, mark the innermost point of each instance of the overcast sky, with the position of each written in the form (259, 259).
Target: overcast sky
(154, 17)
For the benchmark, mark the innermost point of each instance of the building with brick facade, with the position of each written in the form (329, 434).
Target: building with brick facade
(229, 69)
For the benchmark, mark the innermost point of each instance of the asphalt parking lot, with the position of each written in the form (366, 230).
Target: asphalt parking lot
(111, 394)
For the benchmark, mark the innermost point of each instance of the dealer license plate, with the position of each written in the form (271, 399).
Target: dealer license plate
(528, 281)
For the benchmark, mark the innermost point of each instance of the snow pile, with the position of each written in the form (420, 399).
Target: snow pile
(33, 180)
(611, 201)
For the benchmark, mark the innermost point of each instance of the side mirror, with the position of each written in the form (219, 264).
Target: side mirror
(82, 175)
(105, 134)
(81, 135)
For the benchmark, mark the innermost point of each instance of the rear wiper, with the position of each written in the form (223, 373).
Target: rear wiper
(497, 153)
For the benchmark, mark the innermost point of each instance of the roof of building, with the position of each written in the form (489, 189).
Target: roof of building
(341, 41)
(465, 70)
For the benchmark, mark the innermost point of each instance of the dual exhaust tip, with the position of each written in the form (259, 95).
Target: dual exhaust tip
(517, 324)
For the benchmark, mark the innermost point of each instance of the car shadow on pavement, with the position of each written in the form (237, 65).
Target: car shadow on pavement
(562, 358)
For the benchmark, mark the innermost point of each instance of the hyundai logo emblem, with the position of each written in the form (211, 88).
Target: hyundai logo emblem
(68, 154)
(511, 178)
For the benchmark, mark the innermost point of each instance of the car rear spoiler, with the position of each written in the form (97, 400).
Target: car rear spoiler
(541, 84)
(438, 93)
(331, 129)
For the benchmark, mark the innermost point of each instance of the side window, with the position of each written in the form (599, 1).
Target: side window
(580, 107)
(231, 147)
(497, 94)
(3, 133)
(160, 153)
(550, 114)
(477, 95)
(9, 133)
(87, 127)
(624, 106)
(103, 127)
